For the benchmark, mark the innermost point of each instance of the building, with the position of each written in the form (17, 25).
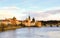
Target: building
(33, 22)
(10, 21)
(38, 23)
(27, 22)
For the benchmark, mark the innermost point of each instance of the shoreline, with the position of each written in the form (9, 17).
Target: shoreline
(16, 27)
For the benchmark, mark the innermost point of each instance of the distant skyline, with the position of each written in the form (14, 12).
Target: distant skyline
(21, 9)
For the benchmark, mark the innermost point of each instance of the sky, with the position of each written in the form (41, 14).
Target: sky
(39, 9)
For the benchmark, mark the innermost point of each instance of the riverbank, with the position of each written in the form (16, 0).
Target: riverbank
(9, 28)
(14, 27)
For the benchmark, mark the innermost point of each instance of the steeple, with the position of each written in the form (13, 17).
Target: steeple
(29, 17)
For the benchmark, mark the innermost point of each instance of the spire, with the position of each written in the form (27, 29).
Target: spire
(29, 17)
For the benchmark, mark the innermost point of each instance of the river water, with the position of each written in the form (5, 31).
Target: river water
(32, 32)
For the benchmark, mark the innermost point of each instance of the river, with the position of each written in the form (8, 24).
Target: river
(32, 32)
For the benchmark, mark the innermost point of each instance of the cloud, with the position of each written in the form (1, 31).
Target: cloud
(38, 15)
(53, 17)
(21, 13)
(51, 8)
(51, 14)
(8, 12)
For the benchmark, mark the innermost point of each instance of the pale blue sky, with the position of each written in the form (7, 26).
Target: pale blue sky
(29, 4)
(22, 8)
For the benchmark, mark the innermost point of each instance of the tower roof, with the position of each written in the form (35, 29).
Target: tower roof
(14, 17)
(29, 17)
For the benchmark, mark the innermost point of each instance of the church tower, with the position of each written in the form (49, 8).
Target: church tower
(13, 21)
(29, 18)
(33, 20)
(14, 18)
(29, 21)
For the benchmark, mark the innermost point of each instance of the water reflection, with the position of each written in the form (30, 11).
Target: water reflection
(44, 32)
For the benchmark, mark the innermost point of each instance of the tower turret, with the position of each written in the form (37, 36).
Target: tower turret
(29, 17)
(14, 18)
(33, 20)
